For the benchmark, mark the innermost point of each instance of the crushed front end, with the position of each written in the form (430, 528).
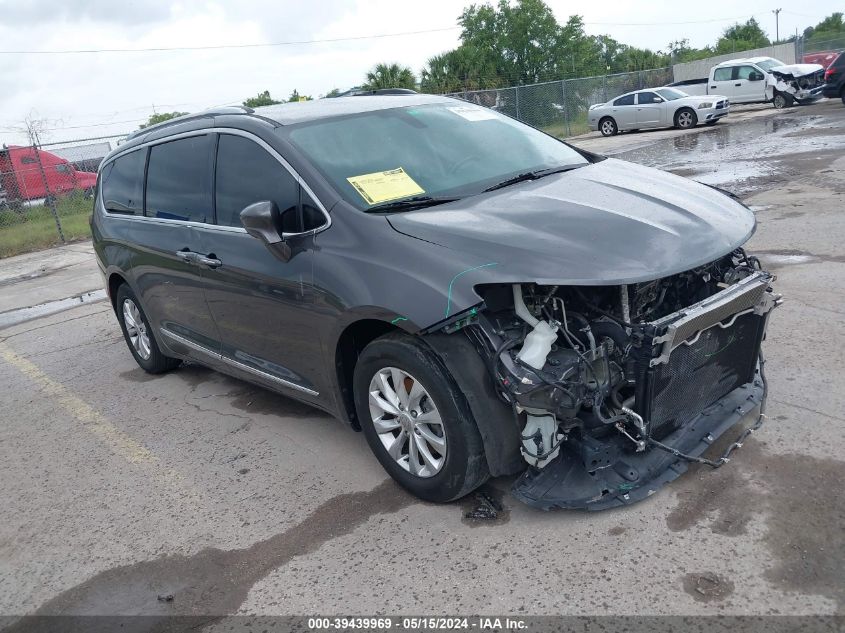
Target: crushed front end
(615, 388)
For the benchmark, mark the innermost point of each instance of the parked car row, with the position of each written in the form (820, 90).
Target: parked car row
(685, 104)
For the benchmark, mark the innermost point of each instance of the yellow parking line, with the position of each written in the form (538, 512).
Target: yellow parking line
(115, 439)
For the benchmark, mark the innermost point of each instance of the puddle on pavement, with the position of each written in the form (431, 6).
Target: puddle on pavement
(742, 156)
(212, 582)
(793, 495)
(21, 315)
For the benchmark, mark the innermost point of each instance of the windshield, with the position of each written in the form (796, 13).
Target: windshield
(670, 94)
(768, 64)
(439, 150)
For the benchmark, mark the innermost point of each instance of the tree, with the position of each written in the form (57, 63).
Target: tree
(160, 117)
(829, 34)
(390, 76)
(295, 96)
(522, 41)
(742, 37)
(261, 99)
(464, 68)
(332, 93)
(680, 51)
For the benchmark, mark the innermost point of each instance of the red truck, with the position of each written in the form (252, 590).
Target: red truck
(21, 177)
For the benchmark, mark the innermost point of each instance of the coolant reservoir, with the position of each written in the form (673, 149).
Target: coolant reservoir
(538, 344)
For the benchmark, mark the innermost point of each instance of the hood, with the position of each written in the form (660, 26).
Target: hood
(797, 70)
(607, 223)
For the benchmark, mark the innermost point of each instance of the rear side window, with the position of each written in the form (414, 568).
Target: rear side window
(247, 173)
(123, 183)
(723, 74)
(623, 101)
(839, 62)
(179, 180)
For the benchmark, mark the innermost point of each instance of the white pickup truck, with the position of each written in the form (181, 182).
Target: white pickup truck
(759, 80)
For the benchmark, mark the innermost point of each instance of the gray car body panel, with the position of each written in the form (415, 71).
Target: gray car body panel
(603, 224)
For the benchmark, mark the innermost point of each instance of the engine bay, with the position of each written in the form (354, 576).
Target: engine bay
(596, 375)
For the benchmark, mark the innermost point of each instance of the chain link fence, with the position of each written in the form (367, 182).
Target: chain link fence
(560, 107)
(46, 192)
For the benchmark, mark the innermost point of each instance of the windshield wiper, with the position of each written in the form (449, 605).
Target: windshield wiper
(417, 202)
(530, 175)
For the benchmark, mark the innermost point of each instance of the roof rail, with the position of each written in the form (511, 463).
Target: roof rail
(221, 110)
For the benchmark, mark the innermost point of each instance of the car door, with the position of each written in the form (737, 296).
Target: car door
(624, 112)
(749, 83)
(722, 83)
(177, 196)
(261, 297)
(650, 108)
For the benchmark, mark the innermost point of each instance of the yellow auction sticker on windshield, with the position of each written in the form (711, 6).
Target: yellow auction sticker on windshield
(383, 186)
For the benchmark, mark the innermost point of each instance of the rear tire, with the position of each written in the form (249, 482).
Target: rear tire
(410, 408)
(842, 95)
(608, 127)
(138, 334)
(685, 119)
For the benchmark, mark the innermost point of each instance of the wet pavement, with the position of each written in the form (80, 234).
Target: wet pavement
(122, 489)
(756, 154)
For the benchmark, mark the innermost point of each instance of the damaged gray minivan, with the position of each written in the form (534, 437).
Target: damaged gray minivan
(479, 298)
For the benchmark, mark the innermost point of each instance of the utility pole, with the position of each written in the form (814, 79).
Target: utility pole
(777, 25)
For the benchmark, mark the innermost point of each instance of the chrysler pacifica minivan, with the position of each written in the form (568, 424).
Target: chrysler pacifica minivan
(479, 298)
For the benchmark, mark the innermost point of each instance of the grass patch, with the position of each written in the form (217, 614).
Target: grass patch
(564, 129)
(34, 228)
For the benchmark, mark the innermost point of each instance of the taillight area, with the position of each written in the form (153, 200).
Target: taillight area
(829, 73)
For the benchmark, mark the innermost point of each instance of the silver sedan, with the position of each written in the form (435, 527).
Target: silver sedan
(656, 108)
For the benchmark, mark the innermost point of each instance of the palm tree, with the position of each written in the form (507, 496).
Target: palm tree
(390, 76)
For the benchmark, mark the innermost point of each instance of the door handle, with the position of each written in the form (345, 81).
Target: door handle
(738, 85)
(199, 258)
(208, 260)
(714, 87)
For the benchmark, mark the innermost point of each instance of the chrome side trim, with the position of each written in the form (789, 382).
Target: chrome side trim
(218, 130)
(265, 375)
(236, 364)
(191, 344)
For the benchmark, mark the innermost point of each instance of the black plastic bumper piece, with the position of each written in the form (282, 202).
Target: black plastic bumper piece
(566, 483)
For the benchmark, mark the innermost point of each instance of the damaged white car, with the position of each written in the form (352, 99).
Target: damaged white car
(760, 80)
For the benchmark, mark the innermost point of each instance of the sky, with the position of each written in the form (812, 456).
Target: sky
(84, 95)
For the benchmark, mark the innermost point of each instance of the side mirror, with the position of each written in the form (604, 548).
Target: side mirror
(261, 220)
(755, 76)
(658, 100)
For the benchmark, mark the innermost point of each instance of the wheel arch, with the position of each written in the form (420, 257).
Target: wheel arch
(352, 340)
(115, 280)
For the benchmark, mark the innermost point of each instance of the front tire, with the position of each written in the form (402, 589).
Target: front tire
(685, 119)
(781, 101)
(416, 421)
(138, 334)
(608, 127)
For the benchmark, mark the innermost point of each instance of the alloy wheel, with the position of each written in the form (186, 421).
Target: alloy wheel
(685, 119)
(407, 422)
(136, 330)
